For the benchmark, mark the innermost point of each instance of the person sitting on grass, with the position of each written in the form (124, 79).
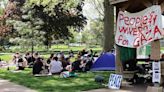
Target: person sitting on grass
(83, 52)
(38, 66)
(21, 63)
(89, 62)
(71, 54)
(47, 63)
(83, 65)
(36, 55)
(76, 64)
(28, 58)
(32, 58)
(64, 61)
(55, 66)
(50, 58)
(15, 58)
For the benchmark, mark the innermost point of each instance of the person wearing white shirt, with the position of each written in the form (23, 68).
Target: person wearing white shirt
(55, 66)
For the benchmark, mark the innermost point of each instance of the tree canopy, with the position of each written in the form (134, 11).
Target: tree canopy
(49, 18)
(59, 17)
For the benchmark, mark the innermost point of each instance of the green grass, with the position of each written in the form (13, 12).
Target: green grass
(84, 81)
(6, 57)
(45, 56)
(57, 48)
(74, 48)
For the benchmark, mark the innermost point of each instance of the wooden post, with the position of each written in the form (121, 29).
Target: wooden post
(162, 7)
(162, 63)
(155, 55)
(119, 67)
(155, 50)
(118, 63)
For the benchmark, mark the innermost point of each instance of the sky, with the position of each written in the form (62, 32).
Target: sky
(89, 11)
(2, 3)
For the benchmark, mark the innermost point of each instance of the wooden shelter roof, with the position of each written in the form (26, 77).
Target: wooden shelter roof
(136, 5)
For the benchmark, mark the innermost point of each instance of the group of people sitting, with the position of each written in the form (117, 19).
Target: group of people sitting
(56, 63)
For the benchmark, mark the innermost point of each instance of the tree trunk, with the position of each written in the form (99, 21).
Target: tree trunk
(108, 26)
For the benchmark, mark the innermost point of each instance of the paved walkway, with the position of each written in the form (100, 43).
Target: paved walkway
(124, 88)
(6, 86)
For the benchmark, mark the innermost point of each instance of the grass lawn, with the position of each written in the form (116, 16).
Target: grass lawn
(84, 81)
(57, 48)
(6, 57)
(74, 48)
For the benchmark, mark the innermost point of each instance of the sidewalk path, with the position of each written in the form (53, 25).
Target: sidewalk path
(6, 86)
(124, 88)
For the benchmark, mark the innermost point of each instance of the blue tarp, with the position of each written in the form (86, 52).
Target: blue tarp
(104, 62)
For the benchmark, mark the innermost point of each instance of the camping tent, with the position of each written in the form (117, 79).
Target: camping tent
(105, 62)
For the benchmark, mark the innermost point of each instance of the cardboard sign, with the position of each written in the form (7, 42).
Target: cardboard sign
(138, 29)
(115, 81)
(156, 72)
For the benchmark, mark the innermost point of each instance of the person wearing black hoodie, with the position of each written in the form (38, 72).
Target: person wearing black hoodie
(38, 66)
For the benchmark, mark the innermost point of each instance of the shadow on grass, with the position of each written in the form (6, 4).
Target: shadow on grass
(84, 81)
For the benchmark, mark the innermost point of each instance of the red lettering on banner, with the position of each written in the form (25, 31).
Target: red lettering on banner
(125, 42)
(122, 29)
(137, 22)
(143, 38)
(154, 19)
(140, 29)
(129, 31)
(146, 29)
(156, 30)
(145, 18)
(134, 31)
(151, 17)
(126, 19)
(148, 32)
(120, 38)
(132, 21)
(150, 38)
(136, 42)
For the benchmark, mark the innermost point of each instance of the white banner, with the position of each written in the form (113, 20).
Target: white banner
(138, 29)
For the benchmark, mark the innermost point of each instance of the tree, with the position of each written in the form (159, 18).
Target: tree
(58, 16)
(10, 11)
(20, 31)
(50, 18)
(97, 31)
(25, 34)
(108, 26)
(98, 5)
(93, 33)
(106, 12)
